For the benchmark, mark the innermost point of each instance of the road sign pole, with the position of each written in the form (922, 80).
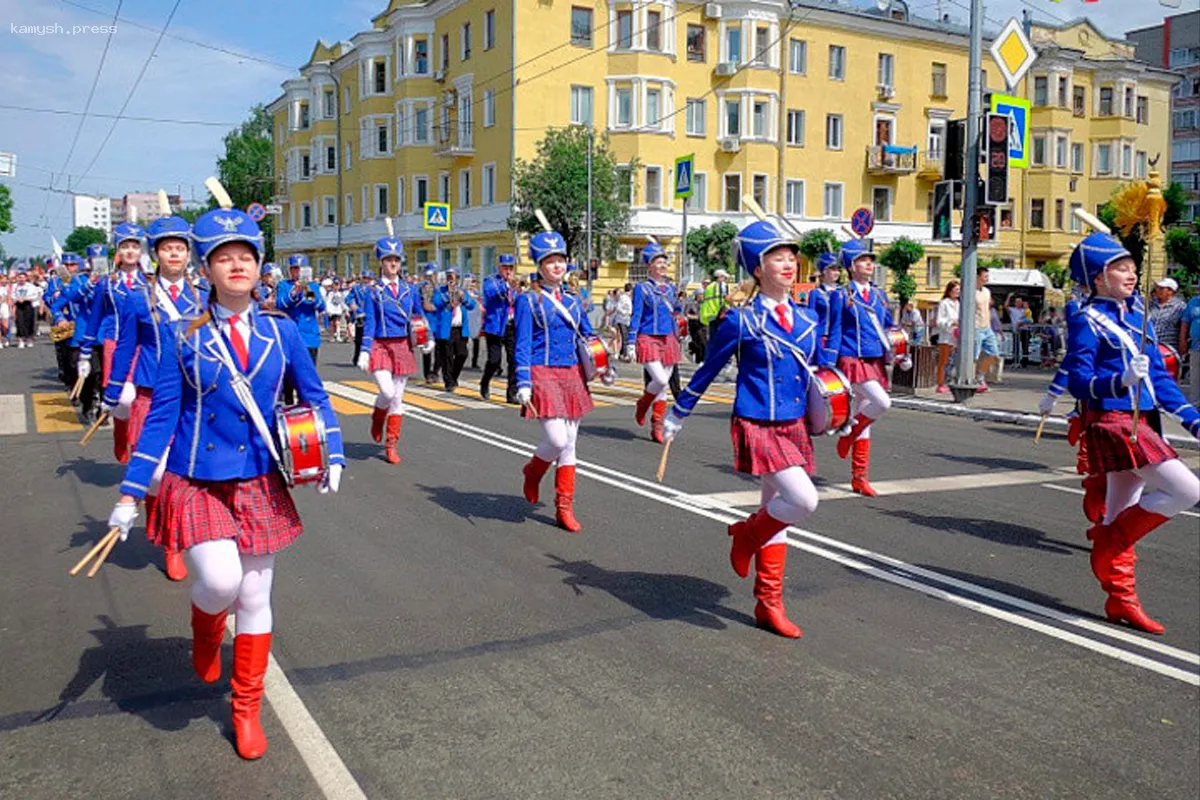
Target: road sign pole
(437, 251)
(964, 385)
(591, 278)
(683, 259)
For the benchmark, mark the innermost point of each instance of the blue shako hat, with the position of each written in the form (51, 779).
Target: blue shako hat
(222, 226)
(165, 228)
(756, 240)
(1092, 255)
(508, 260)
(267, 269)
(652, 251)
(366, 273)
(389, 246)
(852, 251)
(546, 243)
(97, 251)
(297, 260)
(826, 260)
(128, 232)
(71, 258)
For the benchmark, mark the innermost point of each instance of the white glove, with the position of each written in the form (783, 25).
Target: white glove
(333, 480)
(906, 363)
(524, 395)
(364, 362)
(427, 348)
(631, 352)
(672, 425)
(1046, 404)
(84, 366)
(1139, 367)
(122, 517)
(610, 376)
(107, 407)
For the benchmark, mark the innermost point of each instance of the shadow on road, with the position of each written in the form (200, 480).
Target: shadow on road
(479, 505)
(133, 554)
(990, 530)
(615, 433)
(87, 470)
(989, 462)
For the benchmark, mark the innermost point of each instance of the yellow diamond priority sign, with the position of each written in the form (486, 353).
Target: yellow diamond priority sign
(1013, 53)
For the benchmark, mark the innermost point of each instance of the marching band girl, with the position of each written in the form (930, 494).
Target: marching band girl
(112, 293)
(550, 383)
(145, 330)
(387, 351)
(1111, 375)
(862, 318)
(652, 336)
(222, 498)
(776, 342)
(820, 300)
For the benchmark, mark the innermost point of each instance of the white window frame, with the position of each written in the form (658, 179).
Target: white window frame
(766, 202)
(632, 116)
(840, 51)
(306, 211)
(1064, 140)
(417, 180)
(798, 56)
(725, 176)
(464, 188)
(489, 29)
(578, 93)
(699, 199)
(794, 189)
(328, 200)
(659, 95)
(841, 132)
(348, 209)
(1077, 164)
(375, 206)
(794, 133)
(891, 205)
(489, 107)
(694, 105)
(658, 183)
(487, 184)
(886, 69)
(841, 187)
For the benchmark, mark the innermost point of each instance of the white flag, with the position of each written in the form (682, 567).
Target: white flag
(56, 247)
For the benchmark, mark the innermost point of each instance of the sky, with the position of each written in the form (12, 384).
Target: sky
(188, 81)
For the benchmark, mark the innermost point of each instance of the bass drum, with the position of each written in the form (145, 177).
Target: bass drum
(828, 401)
(304, 446)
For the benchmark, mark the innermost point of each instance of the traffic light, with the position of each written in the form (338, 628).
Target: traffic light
(987, 224)
(943, 224)
(996, 190)
(956, 149)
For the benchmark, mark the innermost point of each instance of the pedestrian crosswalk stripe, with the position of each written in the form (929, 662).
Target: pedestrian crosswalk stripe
(708, 396)
(12, 414)
(348, 407)
(411, 397)
(53, 413)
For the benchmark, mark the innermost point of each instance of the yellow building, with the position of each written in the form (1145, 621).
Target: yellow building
(793, 103)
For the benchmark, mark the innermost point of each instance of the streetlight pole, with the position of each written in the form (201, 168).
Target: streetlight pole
(339, 204)
(590, 276)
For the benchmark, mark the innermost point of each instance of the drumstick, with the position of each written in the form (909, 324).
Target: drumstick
(113, 536)
(662, 461)
(87, 437)
(849, 232)
(75, 390)
(100, 544)
(530, 410)
(1092, 220)
(537, 212)
(1041, 425)
(755, 209)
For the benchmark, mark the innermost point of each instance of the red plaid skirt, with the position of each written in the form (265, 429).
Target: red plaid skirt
(107, 349)
(861, 370)
(137, 415)
(256, 512)
(559, 392)
(393, 354)
(761, 447)
(664, 349)
(1106, 437)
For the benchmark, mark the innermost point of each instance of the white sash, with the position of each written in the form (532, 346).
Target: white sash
(854, 300)
(563, 312)
(166, 303)
(243, 392)
(1126, 342)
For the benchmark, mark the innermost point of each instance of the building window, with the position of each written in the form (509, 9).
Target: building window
(1077, 157)
(653, 194)
(1184, 120)
(1143, 110)
(487, 259)
(381, 200)
(758, 187)
(759, 119)
(380, 71)
(330, 204)
(305, 215)
(654, 108)
(1104, 159)
(581, 105)
(1074, 221)
(624, 107)
(936, 142)
(625, 184)
(1060, 152)
(887, 69)
(1079, 101)
(881, 203)
(733, 117)
(421, 56)
(346, 154)
(762, 46)
(489, 184)
(798, 57)
(1006, 219)
(794, 195)
(489, 107)
(1126, 161)
(489, 29)
(328, 104)
(445, 52)
(330, 158)
(1140, 164)
(833, 132)
(1041, 91)
(695, 43)
(305, 166)
(464, 188)
(654, 31)
(733, 44)
(1128, 106)
(1062, 91)
(581, 26)
(733, 192)
(1106, 101)
(696, 113)
(465, 41)
(381, 139)
(1039, 151)
(939, 80)
(1037, 214)
(837, 62)
(444, 187)
(795, 127)
(699, 199)
(833, 201)
(421, 126)
(933, 271)
(348, 208)
(303, 121)
(624, 29)
(420, 193)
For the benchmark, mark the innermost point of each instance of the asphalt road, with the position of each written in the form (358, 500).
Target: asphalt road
(449, 641)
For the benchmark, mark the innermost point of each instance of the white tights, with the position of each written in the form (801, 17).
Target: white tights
(870, 400)
(1172, 488)
(227, 578)
(125, 403)
(660, 378)
(558, 440)
(788, 496)
(391, 391)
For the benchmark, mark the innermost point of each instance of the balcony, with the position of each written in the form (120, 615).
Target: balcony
(933, 164)
(888, 159)
(453, 139)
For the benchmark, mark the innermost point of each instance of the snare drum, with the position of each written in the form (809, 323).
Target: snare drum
(828, 401)
(681, 326)
(418, 332)
(1170, 357)
(304, 446)
(897, 343)
(593, 357)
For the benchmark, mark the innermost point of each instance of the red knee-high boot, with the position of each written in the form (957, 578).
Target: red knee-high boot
(749, 536)
(378, 416)
(656, 421)
(250, 654)
(121, 440)
(175, 566)
(859, 466)
(1114, 561)
(861, 422)
(564, 499)
(208, 631)
(1095, 490)
(768, 588)
(391, 446)
(643, 405)
(534, 471)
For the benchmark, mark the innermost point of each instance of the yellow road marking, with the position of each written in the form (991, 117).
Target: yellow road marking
(52, 413)
(343, 406)
(418, 400)
(709, 396)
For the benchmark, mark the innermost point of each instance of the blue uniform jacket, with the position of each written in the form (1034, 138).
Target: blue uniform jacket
(498, 298)
(654, 308)
(104, 316)
(357, 298)
(54, 290)
(1097, 357)
(445, 313)
(144, 337)
(543, 337)
(194, 404)
(1058, 384)
(74, 304)
(858, 337)
(302, 310)
(772, 385)
(829, 324)
(387, 314)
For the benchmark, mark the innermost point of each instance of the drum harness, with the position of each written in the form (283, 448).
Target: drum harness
(241, 389)
(579, 338)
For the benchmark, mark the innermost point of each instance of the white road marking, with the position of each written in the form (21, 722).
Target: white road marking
(445, 397)
(319, 755)
(12, 414)
(900, 572)
(1074, 490)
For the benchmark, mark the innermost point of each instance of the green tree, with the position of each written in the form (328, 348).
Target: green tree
(899, 256)
(817, 241)
(1057, 273)
(1176, 204)
(78, 239)
(555, 181)
(6, 208)
(191, 214)
(711, 246)
(993, 262)
(1183, 248)
(247, 168)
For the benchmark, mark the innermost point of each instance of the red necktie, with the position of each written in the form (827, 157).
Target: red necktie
(395, 290)
(782, 316)
(866, 295)
(128, 280)
(558, 295)
(174, 293)
(239, 344)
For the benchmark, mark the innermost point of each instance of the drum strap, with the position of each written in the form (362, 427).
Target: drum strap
(563, 312)
(795, 351)
(245, 396)
(854, 301)
(1126, 342)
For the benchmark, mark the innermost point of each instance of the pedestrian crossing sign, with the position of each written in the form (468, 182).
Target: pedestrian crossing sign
(437, 217)
(684, 169)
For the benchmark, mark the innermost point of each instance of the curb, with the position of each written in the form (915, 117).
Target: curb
(1054, 423)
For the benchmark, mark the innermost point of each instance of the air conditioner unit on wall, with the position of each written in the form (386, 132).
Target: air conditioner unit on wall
(624, 252)
(730, 144)
(439, 75)
(712, 11)
(886, 91)
(727, 68)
